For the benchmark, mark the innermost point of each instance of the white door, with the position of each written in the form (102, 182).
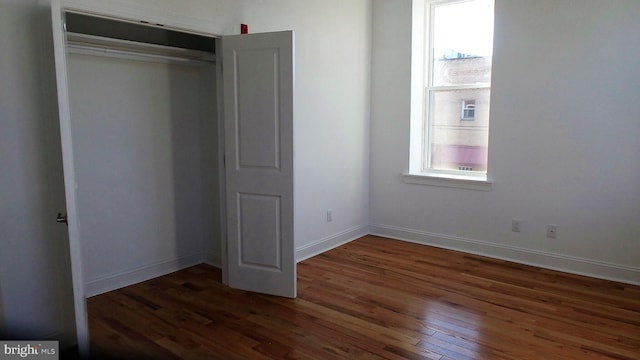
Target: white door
(258, 112)
(79, 299)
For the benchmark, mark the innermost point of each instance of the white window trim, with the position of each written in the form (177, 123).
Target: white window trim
(417, 174)
(449, 180)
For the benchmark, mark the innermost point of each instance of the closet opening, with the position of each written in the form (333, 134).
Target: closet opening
(144, 118)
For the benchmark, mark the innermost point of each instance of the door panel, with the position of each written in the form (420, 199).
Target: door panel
(259, 237)
(258, 112)
(258, 122)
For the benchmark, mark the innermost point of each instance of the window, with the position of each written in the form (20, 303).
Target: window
(468, 111)
(451, 87)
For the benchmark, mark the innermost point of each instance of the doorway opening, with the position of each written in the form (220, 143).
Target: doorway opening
(144, 123)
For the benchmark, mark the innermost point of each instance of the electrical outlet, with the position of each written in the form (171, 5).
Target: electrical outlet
(515, 225)
(329, 216)
(552, 231)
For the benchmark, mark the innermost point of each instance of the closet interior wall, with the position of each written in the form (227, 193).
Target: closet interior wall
(146, 151)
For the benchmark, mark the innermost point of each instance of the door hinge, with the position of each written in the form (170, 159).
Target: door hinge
(62, 218)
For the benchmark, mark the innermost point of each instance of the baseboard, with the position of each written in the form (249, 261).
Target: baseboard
(547, 260)
(65, 339)
(139, 274)
(213, 260)
(328, 243)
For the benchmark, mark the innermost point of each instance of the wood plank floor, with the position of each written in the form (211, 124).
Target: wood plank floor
(374, 298)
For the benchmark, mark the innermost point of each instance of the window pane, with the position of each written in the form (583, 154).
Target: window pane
(474, 70)
(459, 143)
(462, 42)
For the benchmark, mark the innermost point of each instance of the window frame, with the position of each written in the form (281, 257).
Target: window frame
(420, 171)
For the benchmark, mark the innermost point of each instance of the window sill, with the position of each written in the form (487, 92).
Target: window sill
(452, 181)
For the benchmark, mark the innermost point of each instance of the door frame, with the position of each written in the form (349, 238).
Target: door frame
(222, 175)
(64, 118)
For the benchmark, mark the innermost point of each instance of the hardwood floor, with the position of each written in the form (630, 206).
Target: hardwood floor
(374, 298)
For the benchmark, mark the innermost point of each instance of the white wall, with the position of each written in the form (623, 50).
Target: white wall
(565, 134)
(141, 197)
(331, 112)
(34, 271)
(331, 105)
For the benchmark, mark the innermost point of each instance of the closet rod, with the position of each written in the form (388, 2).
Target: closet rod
(100, 46)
